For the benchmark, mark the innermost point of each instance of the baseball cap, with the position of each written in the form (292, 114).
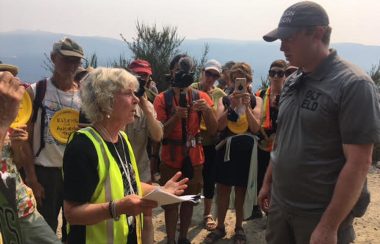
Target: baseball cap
(214, 65)
(68, 47)
(140, 66)
(10, 68)
(299, 15)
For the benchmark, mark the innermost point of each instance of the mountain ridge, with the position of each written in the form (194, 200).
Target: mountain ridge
(26, 48)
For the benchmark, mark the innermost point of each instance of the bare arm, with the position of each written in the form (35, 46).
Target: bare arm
(254, 115)
(265, 192)
(154, 126)
(352, 177)
(173, 120)
(221, 114)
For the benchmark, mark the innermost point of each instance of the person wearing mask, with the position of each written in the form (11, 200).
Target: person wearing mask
(181, 109)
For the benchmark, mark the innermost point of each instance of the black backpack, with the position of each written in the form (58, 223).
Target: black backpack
(37, 104)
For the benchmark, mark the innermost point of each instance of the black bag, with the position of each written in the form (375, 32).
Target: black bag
(187, 168)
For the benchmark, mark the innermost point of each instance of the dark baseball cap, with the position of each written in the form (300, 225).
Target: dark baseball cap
(68, 47)
(299, 15)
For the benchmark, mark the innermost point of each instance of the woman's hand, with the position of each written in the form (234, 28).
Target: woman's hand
(18, 134)
(133, 205)
(246, 100)
(174, 186)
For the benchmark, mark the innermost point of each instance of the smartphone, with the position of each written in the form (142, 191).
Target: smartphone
(240, 85)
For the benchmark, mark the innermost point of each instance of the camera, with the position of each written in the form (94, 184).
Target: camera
(141, 90)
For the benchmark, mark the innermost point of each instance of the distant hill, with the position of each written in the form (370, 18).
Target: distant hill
(26, 49)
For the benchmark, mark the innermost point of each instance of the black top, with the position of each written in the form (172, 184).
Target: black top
(80, 166)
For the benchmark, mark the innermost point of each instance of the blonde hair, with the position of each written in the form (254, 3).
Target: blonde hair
(98, 88)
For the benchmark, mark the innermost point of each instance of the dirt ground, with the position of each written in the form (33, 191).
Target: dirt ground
(367, 228)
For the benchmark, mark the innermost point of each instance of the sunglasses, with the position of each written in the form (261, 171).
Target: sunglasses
(289, 72)
(279, 73)
(211, 74)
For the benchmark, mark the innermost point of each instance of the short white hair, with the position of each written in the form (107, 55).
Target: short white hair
(99, 87)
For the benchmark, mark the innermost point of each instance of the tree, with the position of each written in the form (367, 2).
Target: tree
(374, 72)
(157, 47)
(198, 65)
(122, 62)
(91, 62)
(264, 83)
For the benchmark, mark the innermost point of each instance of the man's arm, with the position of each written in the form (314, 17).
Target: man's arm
(154, 126)
(346, 193)
(265, 192)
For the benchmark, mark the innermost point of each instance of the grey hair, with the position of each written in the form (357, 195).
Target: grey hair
(99, 87)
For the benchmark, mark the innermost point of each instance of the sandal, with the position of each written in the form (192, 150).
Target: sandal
(239, 237)
(215, 235)
(209, 222)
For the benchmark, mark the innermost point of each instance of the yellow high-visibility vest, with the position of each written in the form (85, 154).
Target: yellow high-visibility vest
(110, 187)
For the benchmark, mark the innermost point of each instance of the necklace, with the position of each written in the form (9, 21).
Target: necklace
(124, 164)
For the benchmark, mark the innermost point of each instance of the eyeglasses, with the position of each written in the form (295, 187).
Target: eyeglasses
(211, 74)
(279, 73)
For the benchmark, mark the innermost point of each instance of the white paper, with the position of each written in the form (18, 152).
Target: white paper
(164, 198)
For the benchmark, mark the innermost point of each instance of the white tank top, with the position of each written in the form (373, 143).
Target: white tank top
(54, 100)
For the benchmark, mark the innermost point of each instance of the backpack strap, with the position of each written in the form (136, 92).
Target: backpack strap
(37, 104)
(168, 97)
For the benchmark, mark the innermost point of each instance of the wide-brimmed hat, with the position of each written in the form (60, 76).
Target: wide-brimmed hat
(10, 68)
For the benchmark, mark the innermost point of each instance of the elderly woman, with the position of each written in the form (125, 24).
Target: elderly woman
(239, 119)
(102, 189)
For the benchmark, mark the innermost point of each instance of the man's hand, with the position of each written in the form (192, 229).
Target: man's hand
(176, 186)
(143, 103)
(201, 105)
(10, 96)
(323, 235)
(264, 198)
(181, 112)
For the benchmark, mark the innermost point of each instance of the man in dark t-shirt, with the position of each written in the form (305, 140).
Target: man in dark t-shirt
(328, 122)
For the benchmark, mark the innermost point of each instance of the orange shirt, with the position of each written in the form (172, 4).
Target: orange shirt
(196, 153)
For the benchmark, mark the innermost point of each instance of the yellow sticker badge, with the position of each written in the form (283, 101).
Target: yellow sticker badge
(24, 111)
(63, 123)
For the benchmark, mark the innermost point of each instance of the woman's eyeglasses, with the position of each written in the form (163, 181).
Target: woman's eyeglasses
(279, 73)
(211, 74)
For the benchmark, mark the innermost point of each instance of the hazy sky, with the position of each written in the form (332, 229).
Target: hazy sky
(351, 20)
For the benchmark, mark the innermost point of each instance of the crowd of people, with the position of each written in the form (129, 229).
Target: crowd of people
(297, 151)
